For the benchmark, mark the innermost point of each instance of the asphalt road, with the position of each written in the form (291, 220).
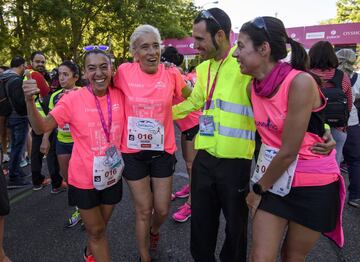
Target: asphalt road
(34, 230)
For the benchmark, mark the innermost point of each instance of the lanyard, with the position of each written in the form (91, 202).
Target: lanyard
(210, 95)
(101, 115)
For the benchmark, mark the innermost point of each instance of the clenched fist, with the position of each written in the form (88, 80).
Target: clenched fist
(30, 89)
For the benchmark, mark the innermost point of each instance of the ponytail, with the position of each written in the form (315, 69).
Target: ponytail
(299, 57)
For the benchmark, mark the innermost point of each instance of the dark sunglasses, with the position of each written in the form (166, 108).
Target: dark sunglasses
(259, 23)
(205, 14)
(95, 47)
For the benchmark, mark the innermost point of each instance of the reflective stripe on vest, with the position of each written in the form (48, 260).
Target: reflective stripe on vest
(39, 108)
(232, 108)
(235, 132)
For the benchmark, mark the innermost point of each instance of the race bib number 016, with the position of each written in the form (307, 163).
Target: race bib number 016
(145, 134)
(282, 186)
(105, 174)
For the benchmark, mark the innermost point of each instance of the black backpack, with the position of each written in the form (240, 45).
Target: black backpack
(5, 104)
(336, 111)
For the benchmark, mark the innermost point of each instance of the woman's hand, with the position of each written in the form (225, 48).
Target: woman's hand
(253, 201)
(30, 89)
(45, 146)
(324, 148)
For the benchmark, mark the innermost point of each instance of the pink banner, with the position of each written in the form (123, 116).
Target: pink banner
(337, 34)
(185, 46)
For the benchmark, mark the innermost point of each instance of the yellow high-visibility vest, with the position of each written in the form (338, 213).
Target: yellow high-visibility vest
(234, 135)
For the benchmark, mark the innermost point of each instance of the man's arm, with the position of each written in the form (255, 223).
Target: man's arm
(194, 102)
(39, 124)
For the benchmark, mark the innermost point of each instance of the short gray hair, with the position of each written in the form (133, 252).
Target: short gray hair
(139, 32)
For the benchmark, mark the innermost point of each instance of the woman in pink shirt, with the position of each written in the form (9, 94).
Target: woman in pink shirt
(95, 116)
(295, 193)
(189, 127)
(148, 143)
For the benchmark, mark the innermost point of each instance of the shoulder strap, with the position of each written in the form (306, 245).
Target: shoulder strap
(337, 78)
(354, 78)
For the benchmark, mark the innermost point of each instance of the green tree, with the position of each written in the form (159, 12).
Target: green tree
(61, 28)
(348, 11)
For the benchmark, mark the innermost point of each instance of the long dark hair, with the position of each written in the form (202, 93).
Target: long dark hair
(322, 56)
(275, 34)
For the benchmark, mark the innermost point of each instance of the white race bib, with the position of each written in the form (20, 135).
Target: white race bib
(145, 134)
(65, 129)
(282, 186)
(107, 169)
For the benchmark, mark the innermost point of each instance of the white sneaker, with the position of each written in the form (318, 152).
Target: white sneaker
(6, 158)
(23, 163)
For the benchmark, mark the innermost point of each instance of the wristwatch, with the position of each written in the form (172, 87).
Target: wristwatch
(257, 188)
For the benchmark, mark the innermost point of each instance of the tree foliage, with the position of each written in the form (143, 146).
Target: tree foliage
(60, 28)
(347, 11)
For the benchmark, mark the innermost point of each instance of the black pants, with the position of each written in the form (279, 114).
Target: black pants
(51, 160)
(219, 184)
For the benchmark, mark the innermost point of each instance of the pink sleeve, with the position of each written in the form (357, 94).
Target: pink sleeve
(62, 110)
(116, 79)
(179, 83)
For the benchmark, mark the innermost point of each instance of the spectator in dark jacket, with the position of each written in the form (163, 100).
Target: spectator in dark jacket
(17, 121)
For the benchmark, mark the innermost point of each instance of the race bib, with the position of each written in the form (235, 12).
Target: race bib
(282, 186)
(206, 125)
(65, 129)
(107, 169)
(145, 134)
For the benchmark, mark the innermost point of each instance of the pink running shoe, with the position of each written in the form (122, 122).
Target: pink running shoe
(183, 192)
(183, 213)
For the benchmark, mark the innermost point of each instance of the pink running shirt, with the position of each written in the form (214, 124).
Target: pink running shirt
(149, 96)
(270, 115)
(78, 108)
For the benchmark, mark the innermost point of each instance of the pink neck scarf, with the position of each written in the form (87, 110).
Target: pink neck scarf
(267, 86)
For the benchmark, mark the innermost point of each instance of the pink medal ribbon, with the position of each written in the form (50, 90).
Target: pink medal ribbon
(101, 115)
(210, 95)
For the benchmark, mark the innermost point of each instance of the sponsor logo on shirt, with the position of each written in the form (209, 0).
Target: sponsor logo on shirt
(268, 124)
(160, 84)
(136, 85)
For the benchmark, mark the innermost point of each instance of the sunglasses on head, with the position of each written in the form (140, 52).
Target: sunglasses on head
(205, 14)
(95, 47)
(259, 23)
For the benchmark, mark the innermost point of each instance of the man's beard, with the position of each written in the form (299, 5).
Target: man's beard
(40, 69)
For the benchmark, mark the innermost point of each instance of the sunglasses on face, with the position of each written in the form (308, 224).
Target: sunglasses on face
(205, 14)
(95, 47)
(259, 23)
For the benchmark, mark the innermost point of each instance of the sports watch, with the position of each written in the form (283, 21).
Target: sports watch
(257, 188)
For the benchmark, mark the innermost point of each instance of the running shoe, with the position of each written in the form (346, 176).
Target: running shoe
(173, 197)
(6, 158)
(59, 189)
(354, 202)
(88, 258)
(154, 240)
(183, 213)
(23, 163)
(43, 184)
(74, 219)
(183, 192)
